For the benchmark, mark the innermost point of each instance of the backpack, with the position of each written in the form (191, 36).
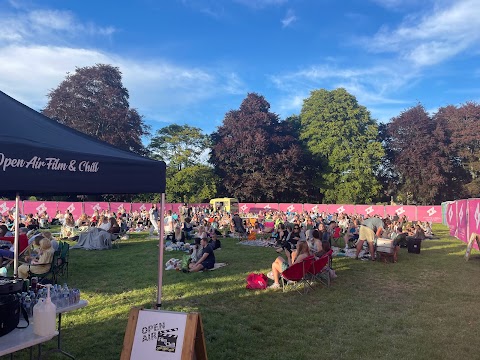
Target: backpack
(256, 281)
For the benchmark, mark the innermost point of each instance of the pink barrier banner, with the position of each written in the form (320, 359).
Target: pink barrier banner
(342, 209)
(90, 207)
(168, 206)
(473, 218)
(402, 210)
(296, 208)
(175, 207)
(74, 207)
(139, 207)
(370, 210)
(117, 207)
(6, 206)
(38, 207)
(431, 214)
(245, 207)
(452, 217)
(310, 207)
(462, 220)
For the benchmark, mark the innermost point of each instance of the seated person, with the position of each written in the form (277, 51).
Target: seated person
(315, 244)
(351, 234)
(238, 226)
(207, 260)
(214, 242)
(114, 227)
(196, 250)
(40, 265)
(22, 245)
(324, 249)
(178, 235)
(4, 231)
(104, 223)
(280, 264)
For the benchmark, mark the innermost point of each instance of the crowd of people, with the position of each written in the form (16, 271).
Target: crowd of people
(294, 234)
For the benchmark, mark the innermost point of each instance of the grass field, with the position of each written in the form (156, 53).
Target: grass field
(423, 307)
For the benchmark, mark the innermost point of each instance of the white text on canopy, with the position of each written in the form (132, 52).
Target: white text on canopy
(49, 163)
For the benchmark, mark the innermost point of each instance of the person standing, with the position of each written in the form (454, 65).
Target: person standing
(153, 212)
(168, 224)
(369, 229)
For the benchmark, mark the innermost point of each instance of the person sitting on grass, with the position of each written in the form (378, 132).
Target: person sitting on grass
(280, 264)
(207, 261)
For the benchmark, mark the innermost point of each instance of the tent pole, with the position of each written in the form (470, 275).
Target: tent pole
(17, 217)
(161, 233)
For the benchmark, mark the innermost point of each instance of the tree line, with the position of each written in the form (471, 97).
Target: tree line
(333, 151)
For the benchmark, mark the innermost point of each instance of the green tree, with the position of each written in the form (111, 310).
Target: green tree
(343, 137)
(179, 146)
(94, 101)
(195, 184)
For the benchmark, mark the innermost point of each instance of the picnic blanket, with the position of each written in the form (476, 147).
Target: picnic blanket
(94, 239)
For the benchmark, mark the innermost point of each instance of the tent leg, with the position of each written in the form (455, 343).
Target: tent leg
(17, 218)
(160, 251)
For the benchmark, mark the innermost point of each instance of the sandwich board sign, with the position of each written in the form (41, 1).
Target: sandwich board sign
(473, 238)
(166, 335)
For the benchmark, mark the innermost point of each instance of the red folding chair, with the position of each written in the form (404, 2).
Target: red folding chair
(297, 275)
(319, 270)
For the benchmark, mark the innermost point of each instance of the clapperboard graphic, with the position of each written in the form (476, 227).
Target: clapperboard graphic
(167, 340)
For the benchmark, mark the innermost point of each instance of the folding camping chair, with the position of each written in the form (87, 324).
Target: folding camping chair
(297, 275)
(53, 272)
(320, 270)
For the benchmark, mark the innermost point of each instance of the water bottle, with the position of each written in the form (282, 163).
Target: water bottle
(28, 305)
(44, 316)
(3, 271)
(66, 295)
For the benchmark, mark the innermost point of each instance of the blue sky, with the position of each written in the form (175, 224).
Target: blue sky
(191, 61)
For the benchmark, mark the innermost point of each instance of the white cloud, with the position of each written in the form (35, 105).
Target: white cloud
(289, 18)
(434, 37)
(33, 62)
(45, 26)
(372, 86)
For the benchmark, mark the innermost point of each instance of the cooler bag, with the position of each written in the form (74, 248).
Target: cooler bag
(385, 246)
(414, 246)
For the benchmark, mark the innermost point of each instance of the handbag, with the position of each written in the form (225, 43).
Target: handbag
(256, 281)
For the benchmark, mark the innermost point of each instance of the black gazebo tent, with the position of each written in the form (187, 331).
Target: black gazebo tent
(40, 156)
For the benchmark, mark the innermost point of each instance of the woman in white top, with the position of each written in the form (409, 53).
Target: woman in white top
(104, 224)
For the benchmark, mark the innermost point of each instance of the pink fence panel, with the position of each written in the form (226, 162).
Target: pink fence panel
(76, 208)
(90, 207)
(176, 207)
(431, 214)
(342, 209)
(263, 207)
(245, 207)
(117, 207)
(285, 207)
(168, 206)
(409, 211)
(462, 220)
(370, 210)
(473, 218)
(310, 207)
(452, 217)
(6, 206)
(38, 207)
(139, 207)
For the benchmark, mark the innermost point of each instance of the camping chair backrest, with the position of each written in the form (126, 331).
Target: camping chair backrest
(297, 272)
(318, 265)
